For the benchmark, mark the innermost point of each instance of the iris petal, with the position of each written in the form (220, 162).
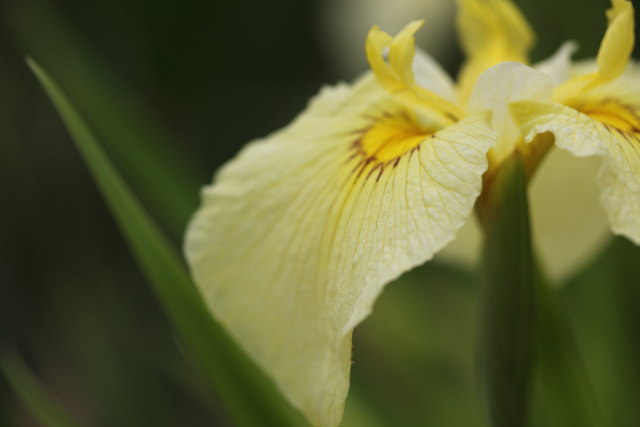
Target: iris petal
(298, 235)
(603, 121)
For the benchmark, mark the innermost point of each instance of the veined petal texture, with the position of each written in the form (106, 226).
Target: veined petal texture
(299, 233)
(603, 121)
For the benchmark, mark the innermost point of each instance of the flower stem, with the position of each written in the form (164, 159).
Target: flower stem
(507, 336)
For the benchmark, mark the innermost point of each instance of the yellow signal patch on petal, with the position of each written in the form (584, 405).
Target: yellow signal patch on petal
(490, 31)
(390, 137)
(294, 239)
(614, 114)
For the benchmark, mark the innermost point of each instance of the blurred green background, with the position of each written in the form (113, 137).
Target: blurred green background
(184, 85)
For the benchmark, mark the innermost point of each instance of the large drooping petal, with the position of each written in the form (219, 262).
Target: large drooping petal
(490, 31)
(299, 233)
(496, 88)
(603, 121)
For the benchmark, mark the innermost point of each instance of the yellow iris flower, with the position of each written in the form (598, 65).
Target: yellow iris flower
(299, 233)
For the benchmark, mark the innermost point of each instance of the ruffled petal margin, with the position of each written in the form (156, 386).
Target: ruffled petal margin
(604, 121)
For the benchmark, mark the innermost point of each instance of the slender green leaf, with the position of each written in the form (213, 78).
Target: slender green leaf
(250, 399)
(32, 394)
(508, 304)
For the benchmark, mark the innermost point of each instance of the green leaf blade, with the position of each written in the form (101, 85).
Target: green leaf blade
(250, 399)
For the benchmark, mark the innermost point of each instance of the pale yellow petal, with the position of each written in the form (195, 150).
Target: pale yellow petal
(490, 31)
(298, 235)
(573, 130)
(496, 88)
(604, 121)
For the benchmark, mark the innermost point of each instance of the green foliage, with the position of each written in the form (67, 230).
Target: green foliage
(249, 398)
(147, 154)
